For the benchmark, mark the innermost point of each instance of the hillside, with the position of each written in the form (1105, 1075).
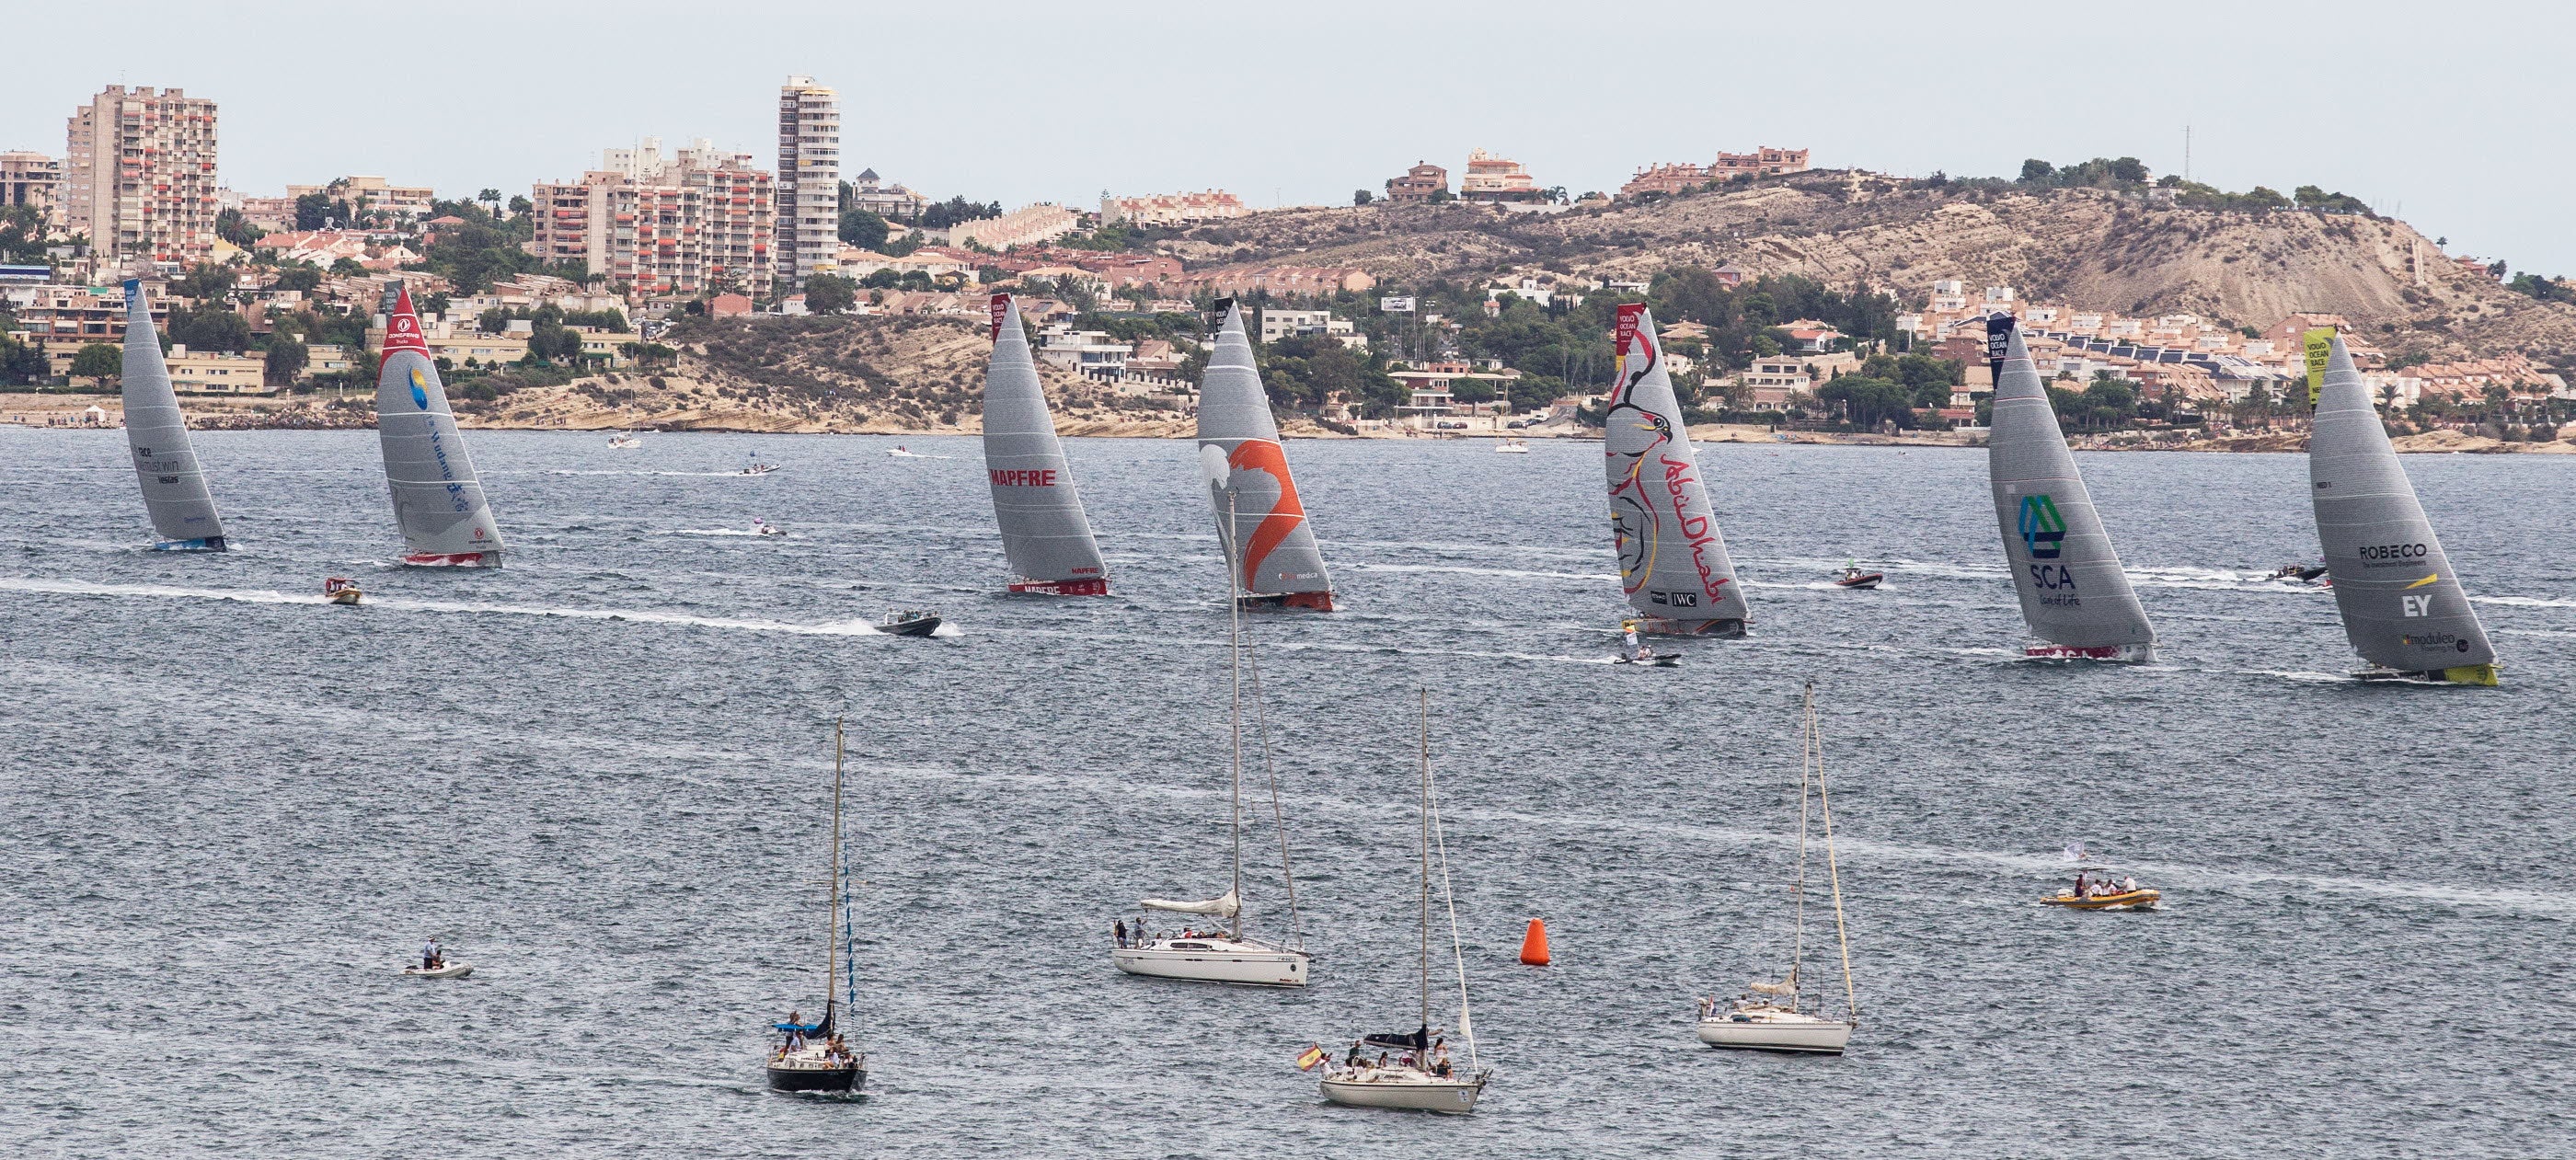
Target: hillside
(2088, 249)
(846, 374)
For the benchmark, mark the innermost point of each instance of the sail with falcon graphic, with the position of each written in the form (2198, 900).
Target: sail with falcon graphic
(1257, 508)
(437, 500)
(1045, 535)
(2403, 608)
(2074, 596)
(1672, 558)
(174, 485)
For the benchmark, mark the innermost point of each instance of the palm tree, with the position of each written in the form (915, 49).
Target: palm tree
(490, 197)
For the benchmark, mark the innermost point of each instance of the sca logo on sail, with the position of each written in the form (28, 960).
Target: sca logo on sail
(2043, 531)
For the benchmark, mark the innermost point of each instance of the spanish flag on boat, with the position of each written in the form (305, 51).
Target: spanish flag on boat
(1314, 1055)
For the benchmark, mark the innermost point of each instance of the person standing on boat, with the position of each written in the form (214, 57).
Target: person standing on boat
(429, 954)
(1118, 930)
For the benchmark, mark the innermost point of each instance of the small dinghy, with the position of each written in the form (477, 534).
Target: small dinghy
(765, 528)
(2299, 572)
(758, 469)
(909, 622)
(902, 452)
(2096, 889)
(1853, 577)
(1635, 651)
(341, 590)
(442, 971)
(624, 442)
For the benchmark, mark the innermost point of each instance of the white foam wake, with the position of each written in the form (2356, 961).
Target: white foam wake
(406, 604)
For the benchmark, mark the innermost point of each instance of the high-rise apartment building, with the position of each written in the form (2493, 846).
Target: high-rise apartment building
(139, 174)
(809, 178)
(682, 226)
(32, 180)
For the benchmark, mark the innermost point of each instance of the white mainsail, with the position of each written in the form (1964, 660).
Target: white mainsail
(438, 501)
(174, 486)
(1672, 558)
(1272, 543)
(2073, 592)
(2402, 606)
(1045, 534)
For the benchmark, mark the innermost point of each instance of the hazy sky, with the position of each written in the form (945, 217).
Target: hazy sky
(2457, 117)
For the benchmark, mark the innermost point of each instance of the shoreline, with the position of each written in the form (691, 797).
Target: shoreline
(70, 412)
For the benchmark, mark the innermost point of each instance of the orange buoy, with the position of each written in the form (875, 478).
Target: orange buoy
(1534, 944)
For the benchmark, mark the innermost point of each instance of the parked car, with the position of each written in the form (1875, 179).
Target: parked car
(1517, 424)
(1448, 426)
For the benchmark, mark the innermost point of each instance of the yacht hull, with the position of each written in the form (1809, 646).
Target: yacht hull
(1450, 1097)
(1246, 967)
(1819, 1038)
(817, 1079)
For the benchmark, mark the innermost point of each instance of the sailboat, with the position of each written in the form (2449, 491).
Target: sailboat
(1672, 559)
(2403, 608)
(813, 1057)
(1045, 534)
(437, 499)
(2074, 596)
(1277, 561)
(1776, 1015)
(1226, 955)
(174, 487)
(1412, 1070)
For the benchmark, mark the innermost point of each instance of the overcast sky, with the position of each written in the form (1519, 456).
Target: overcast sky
(2457, 117)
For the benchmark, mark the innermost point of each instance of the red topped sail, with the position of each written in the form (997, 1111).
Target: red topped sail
(402, 330)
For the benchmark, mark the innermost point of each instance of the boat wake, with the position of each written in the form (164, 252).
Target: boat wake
(859, 627)
(706, 532)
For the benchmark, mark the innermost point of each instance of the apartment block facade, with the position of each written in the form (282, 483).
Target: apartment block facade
(700, 222)
(366, 193)
(139, 174)
(1171, 209)
(808, 221)
(34, 181)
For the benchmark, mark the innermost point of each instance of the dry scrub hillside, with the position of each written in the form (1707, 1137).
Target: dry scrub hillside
(845, 374)
(2088, 249)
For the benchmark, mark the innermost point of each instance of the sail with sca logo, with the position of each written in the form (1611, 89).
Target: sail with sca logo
(2074, 596)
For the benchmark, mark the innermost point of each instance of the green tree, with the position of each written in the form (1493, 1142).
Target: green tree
(520, 206)
(831, 293)
(303, 276)
(232, 227)
(860, 228)
(20, 363)
(1362, 197)
(2037, 172)
(284, 361)
(312, 211)
(204, 283)
(210, 327)
(98, 361)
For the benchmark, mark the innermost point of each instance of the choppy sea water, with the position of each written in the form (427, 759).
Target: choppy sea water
(601, 775)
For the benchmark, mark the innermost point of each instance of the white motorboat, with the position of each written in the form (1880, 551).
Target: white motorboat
(623, 442)
(1774, 1016)
(1227, 954)
(1511, 445)
(1413, 1070)
(441, 971)
(758, 469)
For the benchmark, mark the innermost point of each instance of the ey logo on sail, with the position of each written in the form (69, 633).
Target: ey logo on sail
(2043, 531)
(2416, 605)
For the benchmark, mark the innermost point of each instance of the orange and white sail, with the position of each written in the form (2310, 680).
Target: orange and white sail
(1272, 543)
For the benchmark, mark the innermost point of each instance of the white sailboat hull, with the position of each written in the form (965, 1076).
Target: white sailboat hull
(1821, 1036)
(1215, 960)
(1455, 1097)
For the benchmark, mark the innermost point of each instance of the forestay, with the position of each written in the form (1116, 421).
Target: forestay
(1274, 545)
(2403, 608)
(437, 500)
(2073, 593)
(174, 486)
(1672, 558)
(1045, 534)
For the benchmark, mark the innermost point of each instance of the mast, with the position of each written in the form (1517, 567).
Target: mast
(1833, 872)
(832, 924)
(1426, 858)
(1806, 754)
(1234, 654)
